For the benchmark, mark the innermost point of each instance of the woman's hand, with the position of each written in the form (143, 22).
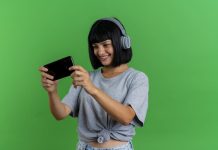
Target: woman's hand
(81, 78)
(46, 80)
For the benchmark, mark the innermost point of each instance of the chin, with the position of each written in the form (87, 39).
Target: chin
(106, 63)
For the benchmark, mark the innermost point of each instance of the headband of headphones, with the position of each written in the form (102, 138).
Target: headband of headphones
(124, 39)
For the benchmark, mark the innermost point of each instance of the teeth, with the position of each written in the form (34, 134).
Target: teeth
(104, 57)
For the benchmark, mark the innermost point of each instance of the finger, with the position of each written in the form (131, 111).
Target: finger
(46, 85)
(71, 68)
(78, 79)
(42, 69)
(74, 84)
(79, 68)
(45, 75)
(47, 81)
(77, 83)
(77, 73)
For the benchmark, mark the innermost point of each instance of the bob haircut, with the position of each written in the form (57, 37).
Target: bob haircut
(103, 30)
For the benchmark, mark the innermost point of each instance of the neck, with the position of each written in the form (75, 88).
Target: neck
(109, 71)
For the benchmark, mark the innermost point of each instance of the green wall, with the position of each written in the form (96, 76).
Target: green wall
(174, 43)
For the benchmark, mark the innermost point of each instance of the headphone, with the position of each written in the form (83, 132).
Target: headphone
(124, 39)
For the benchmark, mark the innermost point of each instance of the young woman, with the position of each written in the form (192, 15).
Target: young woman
(110, 101)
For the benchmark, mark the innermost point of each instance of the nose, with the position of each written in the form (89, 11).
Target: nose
(100, 50)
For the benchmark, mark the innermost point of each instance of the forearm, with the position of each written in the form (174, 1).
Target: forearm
(56, 107)
(119, 112)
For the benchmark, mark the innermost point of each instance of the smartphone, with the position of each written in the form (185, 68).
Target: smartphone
(60, 68)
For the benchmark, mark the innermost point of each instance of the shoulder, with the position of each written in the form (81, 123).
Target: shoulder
(137, 75)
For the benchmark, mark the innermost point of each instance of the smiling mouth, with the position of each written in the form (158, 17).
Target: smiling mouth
(103, 58)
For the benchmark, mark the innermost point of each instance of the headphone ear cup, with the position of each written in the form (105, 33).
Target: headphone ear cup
(125, 42)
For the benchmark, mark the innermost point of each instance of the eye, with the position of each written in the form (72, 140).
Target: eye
(94, 46)
(106, 45)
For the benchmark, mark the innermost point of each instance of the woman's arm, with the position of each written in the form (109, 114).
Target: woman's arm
(58, 109)
(119, 112)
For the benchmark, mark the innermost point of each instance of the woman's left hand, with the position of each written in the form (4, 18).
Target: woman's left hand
(81, 78)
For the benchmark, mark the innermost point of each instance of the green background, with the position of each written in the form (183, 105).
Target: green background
(174, 43)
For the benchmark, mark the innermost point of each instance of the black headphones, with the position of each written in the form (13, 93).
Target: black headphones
(124, 39)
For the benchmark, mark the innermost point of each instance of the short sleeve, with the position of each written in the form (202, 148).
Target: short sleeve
(71, 99)
(137, 97)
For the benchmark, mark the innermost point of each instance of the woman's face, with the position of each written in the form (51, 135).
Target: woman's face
(104, 51)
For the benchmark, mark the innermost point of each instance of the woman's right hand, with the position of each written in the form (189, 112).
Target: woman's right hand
(46, 80)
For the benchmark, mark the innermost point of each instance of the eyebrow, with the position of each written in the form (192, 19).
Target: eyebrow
(102, 42)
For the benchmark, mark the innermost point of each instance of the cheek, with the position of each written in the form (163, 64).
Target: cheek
(111, 51)
(95, 52)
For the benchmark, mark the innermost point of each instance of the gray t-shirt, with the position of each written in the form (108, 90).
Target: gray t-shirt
(94, 124)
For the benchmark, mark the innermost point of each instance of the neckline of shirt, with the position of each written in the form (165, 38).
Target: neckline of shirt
(115, 77)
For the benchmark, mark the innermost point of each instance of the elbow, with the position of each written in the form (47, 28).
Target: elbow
(58, 118)
(128, 117)
(126, 122)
